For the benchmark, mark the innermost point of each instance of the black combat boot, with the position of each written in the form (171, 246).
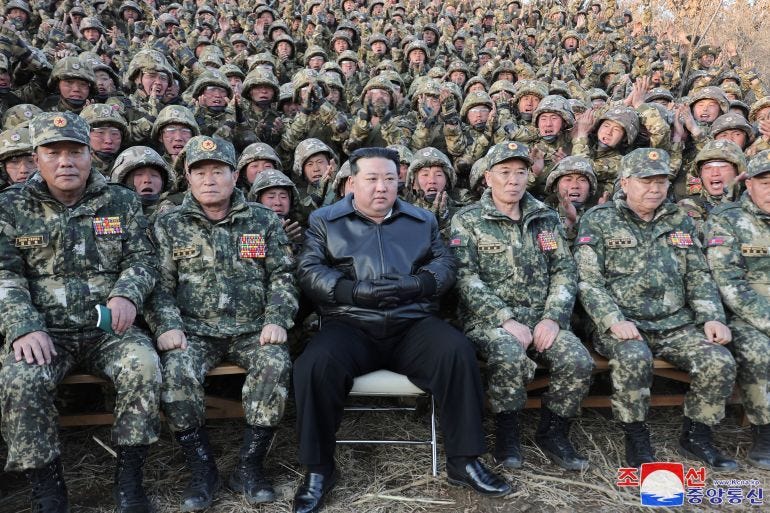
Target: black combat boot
(249, 477)
(128, 491)
(638, 447)
(204, 476)
(696, 443)
(553, 439)
(49, 493)
(508, 439)
(759, 454)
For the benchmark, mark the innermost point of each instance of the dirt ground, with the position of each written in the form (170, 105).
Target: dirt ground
(392, 479)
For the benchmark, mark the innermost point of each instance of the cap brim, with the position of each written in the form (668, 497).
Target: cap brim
(52, 140)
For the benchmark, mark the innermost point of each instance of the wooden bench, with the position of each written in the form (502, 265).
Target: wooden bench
(216, 407)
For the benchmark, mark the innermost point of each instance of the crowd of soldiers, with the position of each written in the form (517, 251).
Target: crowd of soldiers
(598, 181)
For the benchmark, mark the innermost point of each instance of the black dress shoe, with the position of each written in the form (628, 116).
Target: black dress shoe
(474, 475)
(310, 494)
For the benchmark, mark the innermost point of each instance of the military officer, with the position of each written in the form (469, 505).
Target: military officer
(69, 241)
(644, 282)
(517, 284)
(737, 240)
(226, 292)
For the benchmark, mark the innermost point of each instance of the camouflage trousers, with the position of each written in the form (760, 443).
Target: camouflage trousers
(264, 391)
(27, 393)
(751, 349)
(510, 368)
(711, 368)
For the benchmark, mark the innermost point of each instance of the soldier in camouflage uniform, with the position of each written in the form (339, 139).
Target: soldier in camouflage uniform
(16, 162)
(645, 284)
(141, 168)
(174, 126)
(277, 192)
(605, 141)
(73, 82)
(70, 241)
(227, 292)
(551, 122)
(108, 131)
(260, 91)
(313, 169)
(718, 164)
(20, 115)
(376, 123)
(737, 240)
(429, 184)
(318, 118)
(517, 283)
(256, 158)
(569, 190)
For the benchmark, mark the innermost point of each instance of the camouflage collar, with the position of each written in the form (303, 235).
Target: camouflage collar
(39, 189)
(530, 206)
(191, 207)
(752, 208)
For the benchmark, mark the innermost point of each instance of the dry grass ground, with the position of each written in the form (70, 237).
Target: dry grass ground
(389, 479)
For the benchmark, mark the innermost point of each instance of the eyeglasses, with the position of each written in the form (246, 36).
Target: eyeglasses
(104, 132)
(174, 130)
(156, 77)
(215, 91)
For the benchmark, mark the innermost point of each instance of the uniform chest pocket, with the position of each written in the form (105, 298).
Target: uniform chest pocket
(757, 258)
(188, 258)
(623, 254)
(495, 259)
(110, 251)
(37, 251)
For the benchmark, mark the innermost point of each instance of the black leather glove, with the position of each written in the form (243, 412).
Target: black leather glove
(412, 286)
(367, 293)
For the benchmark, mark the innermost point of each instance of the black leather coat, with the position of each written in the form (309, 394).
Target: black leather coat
(343, 243)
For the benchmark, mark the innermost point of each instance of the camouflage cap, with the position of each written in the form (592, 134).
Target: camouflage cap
(14, 143)
(507, 151)
(52, 127)
(258, 151)
(732, 121)
(100, 114)
(573, 164)
(137, 157)
(270, 178)
(723, 150)
(306, 149)
(203, 147)
(429, 157)
(20, 115)
(759, 164)
(757, 106)
(644, 162)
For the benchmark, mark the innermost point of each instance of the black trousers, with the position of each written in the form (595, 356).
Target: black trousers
(432, 354)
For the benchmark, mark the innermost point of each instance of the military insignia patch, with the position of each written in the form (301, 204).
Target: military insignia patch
(208, 145)
(680, 239)
(653, 155)
(107, 226)
(15, 137)
(31, 241)
(694, 185)
(754, 251)
(715, 241)
(547, 241)
(185, 252)
(512, 146)
(252, 245)
(585, 240)
(620, 242)
(455, 242)
(59, 122)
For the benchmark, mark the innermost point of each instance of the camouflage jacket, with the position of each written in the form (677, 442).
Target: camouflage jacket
(322, 124)
(650, 273)
(737, 241)
(222, 278)
(396, 130)
(699, 207)
(57, 263)
(512, 270)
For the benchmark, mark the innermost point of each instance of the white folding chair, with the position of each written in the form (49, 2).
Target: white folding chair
(385, 383)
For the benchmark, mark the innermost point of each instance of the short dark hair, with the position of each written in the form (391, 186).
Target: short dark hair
(372, 153)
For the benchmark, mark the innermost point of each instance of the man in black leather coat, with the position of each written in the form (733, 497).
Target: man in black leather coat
(375, 267)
